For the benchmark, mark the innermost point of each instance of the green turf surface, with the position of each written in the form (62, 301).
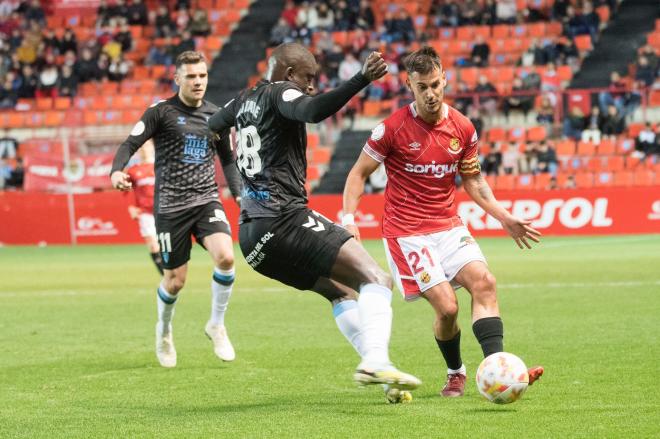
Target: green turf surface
(77, 359)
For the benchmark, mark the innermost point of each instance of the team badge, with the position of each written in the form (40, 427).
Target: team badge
(466, 240)
(454, 145)
(425, 277)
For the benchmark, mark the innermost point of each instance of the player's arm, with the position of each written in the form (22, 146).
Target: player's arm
(353, 190)
(224, 118)
(141, 132)
(294, 105)
(223, 148)
(520, 230)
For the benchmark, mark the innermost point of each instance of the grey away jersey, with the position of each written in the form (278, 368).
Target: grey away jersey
(270, 150)
(185, 148)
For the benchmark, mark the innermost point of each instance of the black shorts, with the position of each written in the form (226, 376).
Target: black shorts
(175, 229)
(296, 248)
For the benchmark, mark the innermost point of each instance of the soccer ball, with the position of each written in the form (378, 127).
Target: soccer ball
(502, 378)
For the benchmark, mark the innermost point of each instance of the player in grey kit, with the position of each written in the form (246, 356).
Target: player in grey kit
(186, 198)
(279, 235)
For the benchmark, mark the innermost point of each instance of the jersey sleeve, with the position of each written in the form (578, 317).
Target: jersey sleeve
(469, 163)
(293, 104)
(143, 130)
(379, 143)
(224, 118)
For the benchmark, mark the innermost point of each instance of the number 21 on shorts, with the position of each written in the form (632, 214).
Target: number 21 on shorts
(415, 259)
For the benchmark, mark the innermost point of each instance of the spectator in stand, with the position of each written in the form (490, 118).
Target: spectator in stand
(614, 122)
(325, 17)
(164, 25)
(26, 52)
(534, 55)
(591, 20)
(306, 15)
(344, 19)
(124, 37)
(161, 54)
(68, 85)
(118, 69)
(359, 41)
(15, 180)
(570, 182)
(550, 81)
(103, 14)
(506, 11)
(475, 117)
(119, 10)
(137, 13)
(8, 95)
(51, 42)
(8, 145)
(469, 12)
(34, 12)
(349, 67)
(559, 9)
(644, 73)
(546, 159)
(489, 13)
(181, 19)
(48, 80)
(489, 99)
(187, 42)
(463, 99)
(645, 141)
(527, 162)
(518, 100)
(365, 17)
(574, 123)
(649, 52)
(510, 159)
(492, 163)
(85, 68)
(28, 82)
(69, 42)
(103, 67)
(564, 52)
(289, 13)
(281, 33)
(446, 13)
(656, 145)
(552, 184)
(594, 123)
(199, 25)
(615, 94)
(332, 61)
(480, 52)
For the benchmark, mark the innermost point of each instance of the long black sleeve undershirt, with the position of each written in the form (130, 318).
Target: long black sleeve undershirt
(123, 155)
(228, 163)
(315, 109)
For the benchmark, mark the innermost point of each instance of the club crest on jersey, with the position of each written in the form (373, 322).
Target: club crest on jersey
(425, 277)
(466, 240)
(414, 146)
(454, 145)
(180, 120)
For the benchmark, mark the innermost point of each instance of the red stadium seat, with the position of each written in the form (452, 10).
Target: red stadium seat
(584, 180)
(583, 43)
(586, 148)
(505, 182)
(623, 178)
(644, 177)
(542, 181)
(536, 134)
(606, 147)
(615, 163)
(603, 179)
(566, 147)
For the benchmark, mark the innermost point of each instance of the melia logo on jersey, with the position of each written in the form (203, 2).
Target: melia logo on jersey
(195, 149)
(438, 170)
(572, 213)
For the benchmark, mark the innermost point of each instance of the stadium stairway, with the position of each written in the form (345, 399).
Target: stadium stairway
(246, 47)
(618, 43)
(346, 153)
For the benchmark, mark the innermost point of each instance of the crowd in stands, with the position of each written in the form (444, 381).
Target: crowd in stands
(37, 61)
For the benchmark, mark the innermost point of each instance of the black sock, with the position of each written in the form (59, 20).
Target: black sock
(158, 261)
(451, 351)
(490, 334)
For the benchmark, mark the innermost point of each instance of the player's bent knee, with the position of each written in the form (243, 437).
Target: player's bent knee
(225, 261)
(449, 311)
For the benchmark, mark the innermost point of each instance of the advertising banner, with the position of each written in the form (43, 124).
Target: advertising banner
(46, 173)
(102, 217)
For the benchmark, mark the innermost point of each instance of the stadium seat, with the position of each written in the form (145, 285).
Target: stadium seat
(313, 172)
(15, 120)
(634, 129)
(62, 103)
(505, 182)
(496, 134)
(542, 181)
(44, 104)
(623, 178)
(53, 118)
(565, 147)
(603, 179)
(501, 31)
(606, 147)
(525, 181)
(536, 134)
(584, 180)
(586, 148)
(625, 146)
(615, 163)
(371, 108)
(644, 177)
(583, 43)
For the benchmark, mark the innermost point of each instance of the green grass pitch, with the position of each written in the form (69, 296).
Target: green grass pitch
(77, 350)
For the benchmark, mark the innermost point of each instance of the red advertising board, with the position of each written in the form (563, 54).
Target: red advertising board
(84, 174)
(32, 218)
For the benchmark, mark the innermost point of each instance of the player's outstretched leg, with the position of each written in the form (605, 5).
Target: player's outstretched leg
(165, 351)
(221, 288)
(355, 268)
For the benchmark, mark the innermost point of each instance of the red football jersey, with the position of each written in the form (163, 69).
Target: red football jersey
(143, 179)
(421, 162)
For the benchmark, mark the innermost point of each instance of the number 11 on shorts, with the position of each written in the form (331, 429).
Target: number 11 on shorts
(165, 242)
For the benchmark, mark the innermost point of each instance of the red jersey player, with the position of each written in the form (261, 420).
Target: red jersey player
(143, 179)
(430, 252)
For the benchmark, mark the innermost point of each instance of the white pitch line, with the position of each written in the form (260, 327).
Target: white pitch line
(597, 241)
(503, 286)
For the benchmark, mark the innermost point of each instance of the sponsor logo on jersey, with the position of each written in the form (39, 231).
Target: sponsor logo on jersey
(219, 216)
(180, 120)
(438, 170)
(291, 94)
(248, 193)
(454, 145)
(466, 240)
(425, 277)
(138, 129)
(195, 149)
(414, 146)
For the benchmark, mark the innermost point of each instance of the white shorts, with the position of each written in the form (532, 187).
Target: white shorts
(147, 225)
(423, 261)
